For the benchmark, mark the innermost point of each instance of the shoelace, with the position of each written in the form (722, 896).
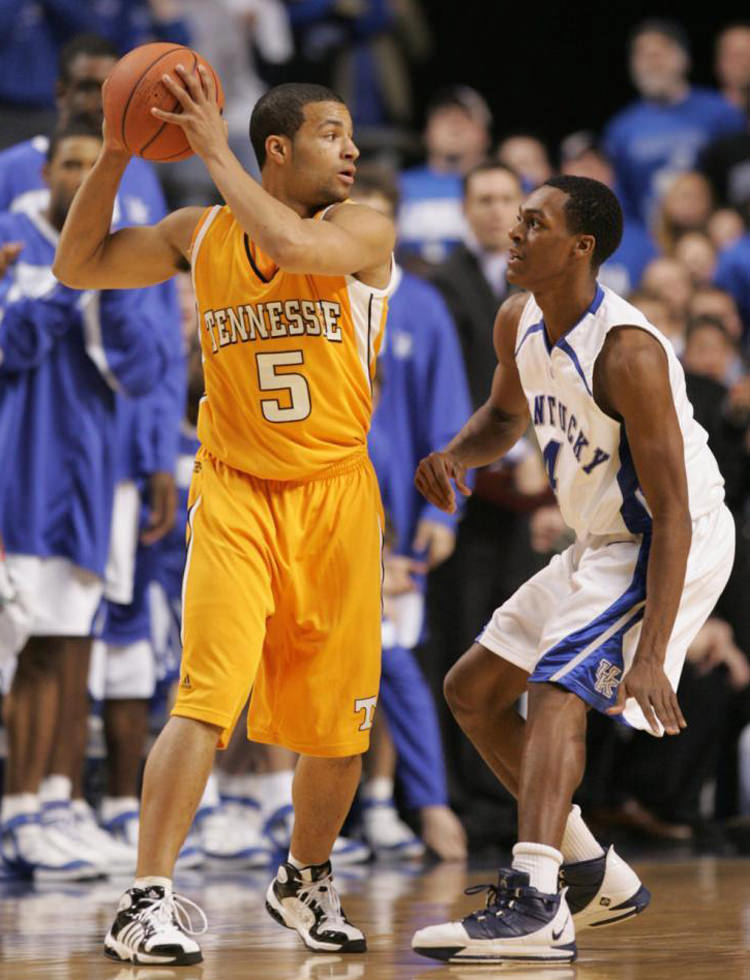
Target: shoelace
(163, 910)
(496, 902)
(322, 895)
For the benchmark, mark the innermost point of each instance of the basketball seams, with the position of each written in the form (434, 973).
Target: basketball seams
(177, 47)
(160, 130)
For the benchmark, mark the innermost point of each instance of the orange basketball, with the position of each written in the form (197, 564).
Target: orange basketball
(135, 85)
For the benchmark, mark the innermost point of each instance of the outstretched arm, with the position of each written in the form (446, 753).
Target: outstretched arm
(353, 240)
(492, 429)
(90, 256)
(631, 383)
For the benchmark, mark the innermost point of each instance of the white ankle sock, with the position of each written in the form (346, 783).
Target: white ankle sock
(210, 799)
(380, 789)
(151, 881)
(578, 843)
(275, 790)
(540, 862)
(18, 803)
(55, 789)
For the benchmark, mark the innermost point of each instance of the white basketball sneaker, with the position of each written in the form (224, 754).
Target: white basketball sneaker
(518, 923)
(386, 834)
(230, 842)
(305, 900)
(152, 927)
(29, 850)
(603, 891)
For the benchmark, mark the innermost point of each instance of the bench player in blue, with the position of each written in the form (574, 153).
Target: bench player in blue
(608, 622)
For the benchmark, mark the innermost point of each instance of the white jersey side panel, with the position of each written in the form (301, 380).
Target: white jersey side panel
(586, 452)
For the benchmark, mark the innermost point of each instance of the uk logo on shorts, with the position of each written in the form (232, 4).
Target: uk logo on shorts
(607, 678)
(368, 706)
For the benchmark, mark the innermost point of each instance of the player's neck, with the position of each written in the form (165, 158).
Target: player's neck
(275, 187)
(563, 304)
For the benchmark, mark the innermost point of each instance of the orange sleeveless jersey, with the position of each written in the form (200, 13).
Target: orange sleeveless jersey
(288, 358)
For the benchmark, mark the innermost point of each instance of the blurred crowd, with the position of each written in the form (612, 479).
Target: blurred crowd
(99, 397)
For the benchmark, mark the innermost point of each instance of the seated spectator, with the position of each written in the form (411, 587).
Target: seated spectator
(580, 156)
(712, 301)
(456, 137)
(664, 131)
(686, 205)
(659, 312)
(698, 254)
(732, 64)
(733, 275)
(725, 227)
(670, 280)
(527, 155)
(709, 351)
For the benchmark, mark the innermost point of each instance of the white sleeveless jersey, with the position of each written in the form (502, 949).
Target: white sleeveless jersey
(586, 453)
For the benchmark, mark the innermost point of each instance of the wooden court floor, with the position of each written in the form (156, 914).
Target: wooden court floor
(697, 928)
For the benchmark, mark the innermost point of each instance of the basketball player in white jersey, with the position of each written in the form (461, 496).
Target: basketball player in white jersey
(607, 623)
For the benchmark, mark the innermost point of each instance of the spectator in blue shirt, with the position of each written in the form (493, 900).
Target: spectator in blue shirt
(457, 136)
(663, 132)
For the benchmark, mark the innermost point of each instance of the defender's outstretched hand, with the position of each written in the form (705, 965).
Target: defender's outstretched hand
(433, 480)
(200, 117)
(649, 685)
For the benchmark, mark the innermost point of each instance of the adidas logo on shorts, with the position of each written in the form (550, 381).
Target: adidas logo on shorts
(185, 682)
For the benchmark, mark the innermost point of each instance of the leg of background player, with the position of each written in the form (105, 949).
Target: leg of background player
(30, 715)
(125, 729)
(71, 734)
(554, 758)
(481, 690)
(323, 791)
(173, 783)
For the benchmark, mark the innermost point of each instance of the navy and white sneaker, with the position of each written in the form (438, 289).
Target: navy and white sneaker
(603, 891)
(518, 923)
(305, 900)
(153, 928)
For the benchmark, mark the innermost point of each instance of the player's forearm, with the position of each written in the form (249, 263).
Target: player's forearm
(87, 225)
(276, 228)
(667, 562)
(487, 436)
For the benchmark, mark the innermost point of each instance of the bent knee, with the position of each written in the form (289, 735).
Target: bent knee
(482, 682)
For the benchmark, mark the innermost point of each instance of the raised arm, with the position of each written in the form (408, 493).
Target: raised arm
(90, 256)
(631, 383)
(353, 240)
(492, 429)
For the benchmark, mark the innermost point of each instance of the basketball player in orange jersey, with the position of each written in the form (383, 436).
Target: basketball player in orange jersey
(282, 583)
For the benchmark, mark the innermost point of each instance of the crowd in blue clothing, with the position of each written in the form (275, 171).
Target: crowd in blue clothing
(98, 404)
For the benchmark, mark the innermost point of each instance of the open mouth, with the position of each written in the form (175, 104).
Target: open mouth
(347, 176)
(514, 256)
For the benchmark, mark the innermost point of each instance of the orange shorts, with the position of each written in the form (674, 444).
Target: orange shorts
(282, 595)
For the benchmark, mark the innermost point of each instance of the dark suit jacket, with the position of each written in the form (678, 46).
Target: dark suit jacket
(473, 305)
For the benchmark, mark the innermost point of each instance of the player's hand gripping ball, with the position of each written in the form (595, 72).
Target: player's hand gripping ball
(135, 85)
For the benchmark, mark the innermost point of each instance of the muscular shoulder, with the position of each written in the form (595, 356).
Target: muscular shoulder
(506, 325)
(632, 365)
(362, 220)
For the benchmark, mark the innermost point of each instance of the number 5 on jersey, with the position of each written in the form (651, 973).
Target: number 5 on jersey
(269, 379)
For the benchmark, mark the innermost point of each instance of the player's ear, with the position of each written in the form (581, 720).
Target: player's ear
(585, 246)
(277, 149)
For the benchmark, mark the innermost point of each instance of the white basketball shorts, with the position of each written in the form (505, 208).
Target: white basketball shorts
(577, 622)
(123, 543)
(122, 671)
(59, 598)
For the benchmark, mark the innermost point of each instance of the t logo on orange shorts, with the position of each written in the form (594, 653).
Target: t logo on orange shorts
(368, 706)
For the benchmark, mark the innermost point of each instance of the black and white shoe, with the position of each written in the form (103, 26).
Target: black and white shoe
(603, 891)
(518, 923)
(306, 901)
(153, 927)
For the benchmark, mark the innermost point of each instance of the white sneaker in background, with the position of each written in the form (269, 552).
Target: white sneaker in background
(230, 842)
(29, 850)
(386, 833)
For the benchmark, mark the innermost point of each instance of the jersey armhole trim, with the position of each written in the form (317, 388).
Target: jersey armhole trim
(197, 240)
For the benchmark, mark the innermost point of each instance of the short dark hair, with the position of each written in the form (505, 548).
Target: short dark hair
(81, 124)
(591, 209)
(91, 45)
(279, 112)
(671, 29)
(488, 166)
(377, 178)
